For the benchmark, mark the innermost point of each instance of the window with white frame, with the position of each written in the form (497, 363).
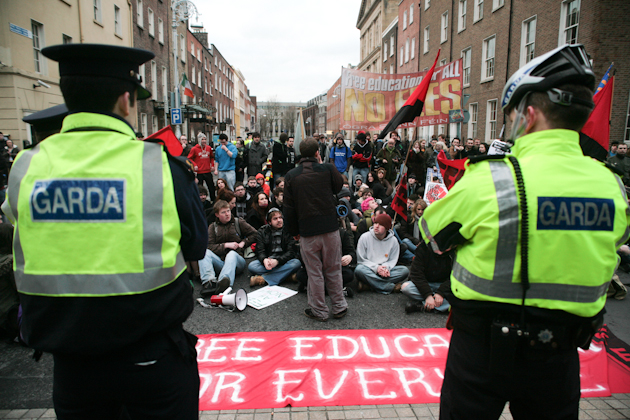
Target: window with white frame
(199, 54)
(407, 50)
(151, 22)
(385, 51)
(427, 4)
(385, 70)
(140, 13)
(160, 31)
(413, 47)
(405, 20)
(472, 122)
(164, 84)
(143, 125)
(426, 40)
(98, 15)
(569, 22)
(497, 4)
(442, 61)
(142, 75)
(466, 56)
(391, 69)
(38, 43)
(155, 123)
(182, 48)
(192, 48)
(487, 62)
(392, 47)
(199, 79)
(478, 13)
(411, 13)
(117, 25)
(215, 61)
(216, 85)
(401, 59)
(154, 79)
(626, 136)
(528, 40)
(67, 39)
(461, 20)
(491, 120)
(444, 32)
(193, 79)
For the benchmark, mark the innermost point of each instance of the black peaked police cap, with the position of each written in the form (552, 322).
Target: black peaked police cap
(101, 60)
(48, 119)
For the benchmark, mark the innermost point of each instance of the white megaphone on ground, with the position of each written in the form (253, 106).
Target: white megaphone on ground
(236, 300)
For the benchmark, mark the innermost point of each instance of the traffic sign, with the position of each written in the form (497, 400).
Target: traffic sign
(176, 115)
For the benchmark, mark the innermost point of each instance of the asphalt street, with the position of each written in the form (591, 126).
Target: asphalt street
(26, 384)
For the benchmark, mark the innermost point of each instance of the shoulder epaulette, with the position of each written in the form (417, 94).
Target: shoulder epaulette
(614, 169)
(481, 158)
(183, 162)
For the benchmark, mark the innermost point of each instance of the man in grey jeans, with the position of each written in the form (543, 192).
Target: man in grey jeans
(310, 213)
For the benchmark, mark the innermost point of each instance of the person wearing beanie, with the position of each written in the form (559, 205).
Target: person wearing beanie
(344, 198)
(377, 255)
(362, 156)
(358, 181)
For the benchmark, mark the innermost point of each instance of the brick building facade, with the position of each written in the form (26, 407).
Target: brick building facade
(223, 85)
(389, 46)
(408, 36)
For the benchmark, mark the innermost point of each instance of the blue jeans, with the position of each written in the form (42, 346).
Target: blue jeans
(410, 289)
(233, 264)
(275, 276)
(230, 177)
(384, 285)
(410, 245)
(408, 254)
(363, 171)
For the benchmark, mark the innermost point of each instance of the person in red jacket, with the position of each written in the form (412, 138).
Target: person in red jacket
(202, 156)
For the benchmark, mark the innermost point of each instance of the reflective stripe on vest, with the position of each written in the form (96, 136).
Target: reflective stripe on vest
(501, 285)
(153, 276)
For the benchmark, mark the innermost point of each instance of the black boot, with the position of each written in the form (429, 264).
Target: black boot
(414, 306)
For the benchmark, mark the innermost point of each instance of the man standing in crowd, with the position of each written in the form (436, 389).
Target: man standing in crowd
(185, 146)
(362, 157)
(226, 161)
(226, 246)
(110, 293)
(341, 156)
(276, 252)
(290, 154)
(203, 158)
(279, 157)
(256, 156)
(530, 280)
(622, 162)
(377, 256)
(310, 212)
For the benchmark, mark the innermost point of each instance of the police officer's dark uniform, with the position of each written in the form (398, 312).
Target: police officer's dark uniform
(536, 234)
(104, 224)
(46, 122)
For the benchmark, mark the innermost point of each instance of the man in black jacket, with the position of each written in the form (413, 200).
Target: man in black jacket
(279, 157)
(276, 252)
(429, 280)
(311, 214)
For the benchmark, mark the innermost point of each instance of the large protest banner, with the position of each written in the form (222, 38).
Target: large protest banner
(370, 100)
(357, 367)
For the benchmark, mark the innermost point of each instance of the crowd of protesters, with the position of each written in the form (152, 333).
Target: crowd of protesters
(379, 251)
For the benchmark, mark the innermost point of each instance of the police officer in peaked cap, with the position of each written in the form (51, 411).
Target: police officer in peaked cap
(536, 234)
(104, 224)
(46, 122)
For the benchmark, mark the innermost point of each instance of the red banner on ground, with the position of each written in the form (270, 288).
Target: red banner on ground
(348, 367)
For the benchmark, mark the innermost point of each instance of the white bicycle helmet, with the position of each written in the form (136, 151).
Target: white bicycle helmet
(565, 64)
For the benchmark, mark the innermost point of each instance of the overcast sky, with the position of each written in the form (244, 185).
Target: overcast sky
(290, 49)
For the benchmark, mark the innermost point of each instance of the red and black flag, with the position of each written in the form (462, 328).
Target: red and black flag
(166, 137)
(452, 169)
(595, 134)
(399, 203)
(413, 107)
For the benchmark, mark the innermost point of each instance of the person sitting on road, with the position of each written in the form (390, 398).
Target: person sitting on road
(380, 173)
(260, 180)
(251, 190)
(257, 215)
(278, 198)
(276, 252)
(207, 204)
(410, 230)
(429, 280)
(377, 255)
(366, 223)
(227, 239)
(241, 208)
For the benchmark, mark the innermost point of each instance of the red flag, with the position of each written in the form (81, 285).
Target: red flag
(596, 131)
(413, 107)
(452, 169)
(168, 139)
(399, 204)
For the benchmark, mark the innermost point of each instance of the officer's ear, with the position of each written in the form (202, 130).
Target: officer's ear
(123, 105)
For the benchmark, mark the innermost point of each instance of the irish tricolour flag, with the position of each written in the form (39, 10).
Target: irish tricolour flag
(187, 88)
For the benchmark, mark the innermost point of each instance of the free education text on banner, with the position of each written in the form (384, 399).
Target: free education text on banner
(370, 100)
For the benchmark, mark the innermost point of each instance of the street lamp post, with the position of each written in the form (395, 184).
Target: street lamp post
(182, 10)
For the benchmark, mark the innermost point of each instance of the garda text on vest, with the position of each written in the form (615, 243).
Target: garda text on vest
(78, 200)
(575, 213)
